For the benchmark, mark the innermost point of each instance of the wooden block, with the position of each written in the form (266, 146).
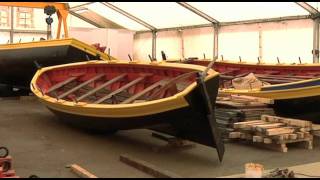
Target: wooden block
(277, 131)
(257, 139)
(265, 117)
(293, 136)
(243, 136)
(315, 127)
(147, 167)
(286, 136)
(81, 172)
(307, 134)
(267, 140)
(300, 135)
(305, 129)
(234, 135)
(316, 133)
(249, 137)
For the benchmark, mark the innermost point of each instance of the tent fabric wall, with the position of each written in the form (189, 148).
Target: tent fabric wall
(198, 42)
(239, 40)
(287, 40)
(170, 43)
(142, 46)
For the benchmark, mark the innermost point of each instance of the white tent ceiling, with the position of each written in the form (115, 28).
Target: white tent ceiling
(170, 14)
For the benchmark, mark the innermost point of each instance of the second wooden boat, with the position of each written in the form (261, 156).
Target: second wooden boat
(18, 61)
(295, 88)
(105, 96)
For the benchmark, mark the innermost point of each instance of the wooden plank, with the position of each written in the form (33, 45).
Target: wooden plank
(81, 85)
(147, 167)
(277, 131)
(300, 135)
(267, 140)
(257, 139)
(61, 84)
(113, 80)
(108, 96)
(293, 136)
(264, 127)
(81, 171)
(143, 92)
(315, 127)
(234, 135)
(241, 124)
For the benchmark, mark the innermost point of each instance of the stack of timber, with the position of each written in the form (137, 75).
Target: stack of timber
(231, 109)
(274, 132)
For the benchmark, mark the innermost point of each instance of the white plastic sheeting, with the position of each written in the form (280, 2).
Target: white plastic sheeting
(239, 11)
(162, 14)
(287, 40)
(171, 14)
(241, 40)
(115, 16)
(198, 42)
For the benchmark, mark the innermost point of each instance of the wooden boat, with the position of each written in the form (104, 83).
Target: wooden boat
(295, 88)
(17, 61)
(109, 96)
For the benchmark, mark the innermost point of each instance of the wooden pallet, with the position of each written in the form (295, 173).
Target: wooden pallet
(274, 132)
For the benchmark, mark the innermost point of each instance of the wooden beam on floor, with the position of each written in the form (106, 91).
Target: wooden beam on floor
(81, 85)
(147, 167)
(81, 172)
(148, 89)
(108, 96)
(102, 86)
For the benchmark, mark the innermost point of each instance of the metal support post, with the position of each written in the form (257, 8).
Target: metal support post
(154, 45)
(315, 50)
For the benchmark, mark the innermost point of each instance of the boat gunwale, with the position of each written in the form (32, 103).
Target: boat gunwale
(58, 42)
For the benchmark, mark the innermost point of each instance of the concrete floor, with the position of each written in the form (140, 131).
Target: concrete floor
(43, 146)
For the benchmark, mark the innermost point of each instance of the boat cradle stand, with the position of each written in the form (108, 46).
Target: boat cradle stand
(173, 143)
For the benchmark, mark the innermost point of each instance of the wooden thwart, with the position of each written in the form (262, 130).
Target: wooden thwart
(61, 84)
(81, 85)
(108, 96)
(138, 95)
(102, 86)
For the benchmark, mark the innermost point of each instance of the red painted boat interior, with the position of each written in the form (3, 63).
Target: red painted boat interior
(84, 73)
(274, 74)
